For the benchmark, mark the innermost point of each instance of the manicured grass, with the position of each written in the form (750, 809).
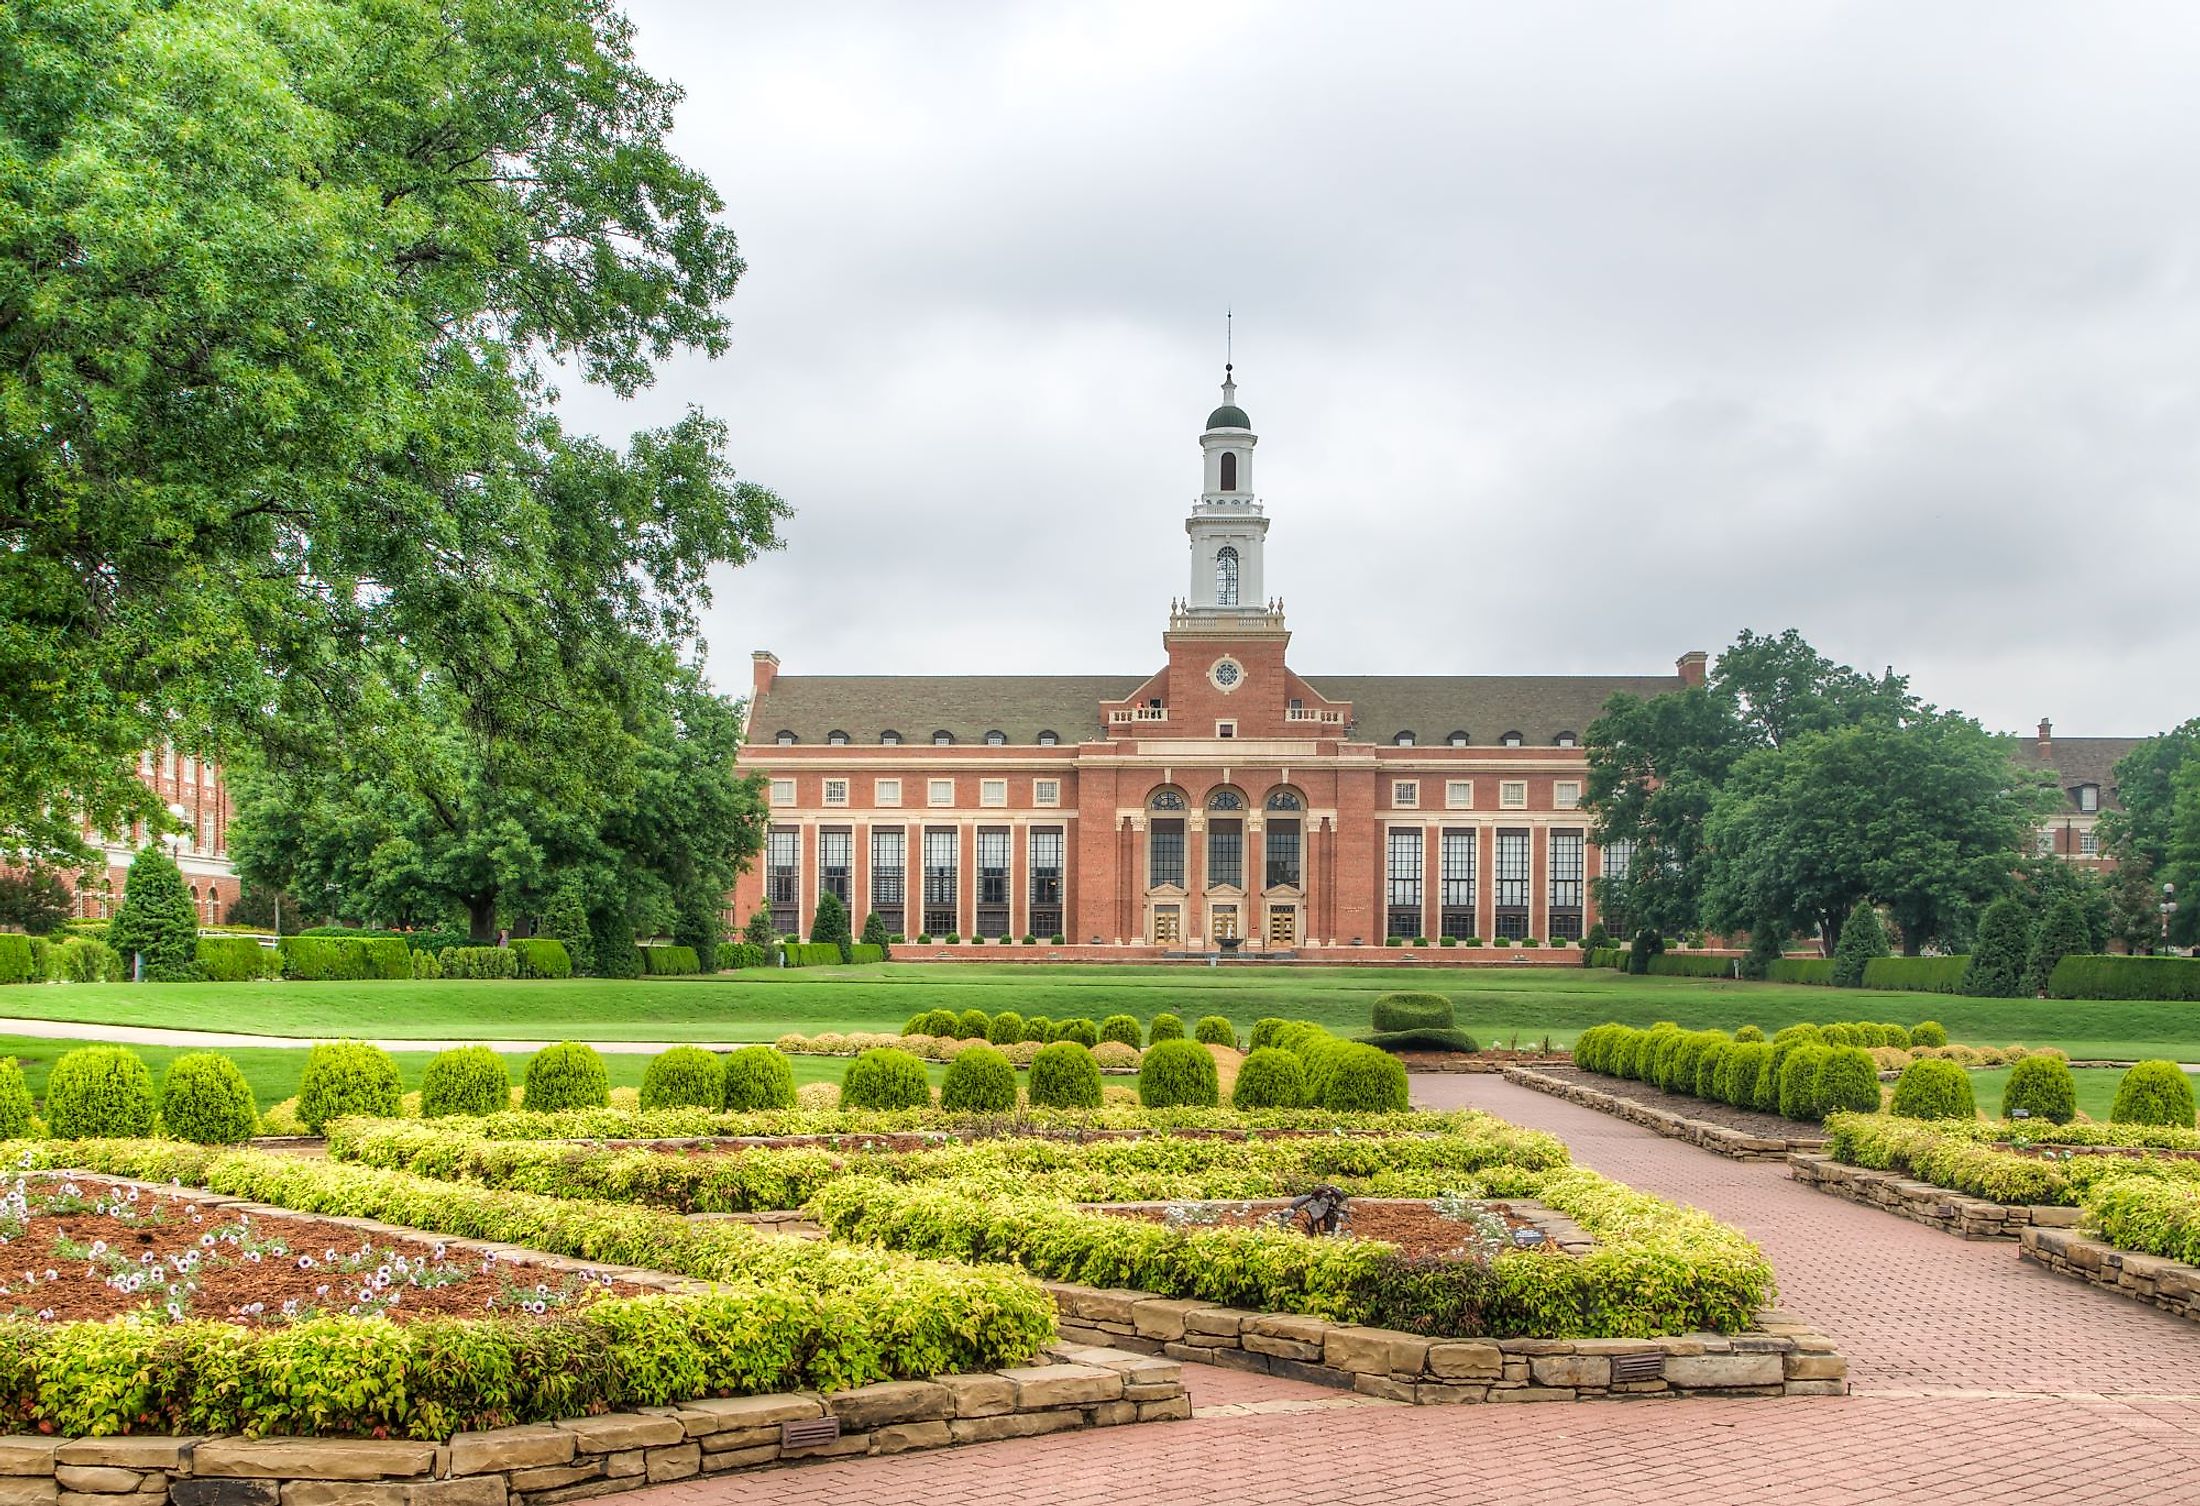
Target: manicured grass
(1494, 1004)
(2096, 1089)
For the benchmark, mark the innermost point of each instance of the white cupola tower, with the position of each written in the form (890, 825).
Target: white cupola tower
(1227, 527)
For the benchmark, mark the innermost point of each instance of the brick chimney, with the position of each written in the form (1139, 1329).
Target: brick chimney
(2047, 738)
(765, 669)
(1691, 665)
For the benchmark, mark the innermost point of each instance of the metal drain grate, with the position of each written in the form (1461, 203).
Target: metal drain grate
(1629, 1368)
(808, 1432)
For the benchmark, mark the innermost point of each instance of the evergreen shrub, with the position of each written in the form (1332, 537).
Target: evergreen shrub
(2106, 977)
(470, 1080)
(1065, 1076)
(345, 1078)
(99, 1093)
(1413, 1011)
(972, 1025)
(1082, 1031)
(157, 920)
(1165, 1027)
(1359, 1079)
(1815, 970)
(1177, 1073)
(15, 1101)
(1996, 969)
(2043, 1088)
(1265, 1031)
(885, 1078)
(1038, 1028)
(683, 1077)
(479, 962)
(1928, 1033)
(1744, 1064)
(1121, 1027)
(679, 961)
(1931, 1088)
(758, 1077)
(19, 959)
(542, 957)
(2153, 1092)
(2060, 932)
(569, 1075)
(1270, 1078)
(1214, 1030)
(979, 1081)
(1749, 1035)
(1927, 975)
(223, 959)
(1799, 1081)
(1862, 939)
(204, 1098)
(1005, 1028)
(1848, 1082)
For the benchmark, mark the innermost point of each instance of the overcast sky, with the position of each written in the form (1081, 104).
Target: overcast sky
(1576, 336)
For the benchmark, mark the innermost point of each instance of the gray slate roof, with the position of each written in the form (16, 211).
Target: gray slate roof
(1485, 707)
(2079, 760)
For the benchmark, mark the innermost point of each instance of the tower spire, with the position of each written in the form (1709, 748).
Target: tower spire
(1229, 342)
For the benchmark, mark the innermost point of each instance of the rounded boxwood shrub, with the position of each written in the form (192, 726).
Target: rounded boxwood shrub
(1928, 1033)
(204, 1098)
(1082, 1031)
(1799, 1081)
(2043, 1088)
(1930, 1088)
(972, 1024)
(979, 1081)
(758, 1077)
(1848, 1082)
(1800, 1032)
(15, 1101)
(1359, 1079)
(569, 1075)
(465, 1080)
(1749, 1035)
(1007, 1028)
(99, 1092)
(1065, 1076)
(1265, 1031)
(939, 1022)
(1165, 1027)
(1897, 1035)
(1743, 1064)
(1413, 1011)
(685, 1077)
(1214, 1030)
(1121, 1028)
(1708, 1064)
(345, 1078)
(1269, 1078)
(884, 1078)
(1179, 1074)
(2155, 1092)
(1038, 1028)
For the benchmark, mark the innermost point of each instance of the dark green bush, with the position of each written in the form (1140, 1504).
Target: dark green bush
(236, 959)
(18, 958)
(678, 961)
(936, 1022)
(1675, 965)
(972, 1025)
(1423, 1040)
(15, 1101)
(465, 1080)
(1739, 1071)
(1123, 1028)
(1178, 1074)
(1799, 1082)
(1006, 1028)
(1359, 1079)
(1413, 1011)
(979, 1081)
(884, 1078)
(684, 1077)
(99, 1092)
(1813, 970)
(1215, 1030)
(157, 920)
(324, 958)
(542, 957)
(1928, 1033)
(1848, 1082)
(2060, 932)
(204, 1098)
(346, 1078)
(1082, 1031)
(1269, 1078)
(479, 962)
(2042, 1087)
(1708, 1063)
(1863, 937)
(1165, 1027)
(1925, 975)
(569, 1075)
(758, 1077)
(1065, 1076)
(2106, 977)
(1265, 1031)
(2153, 1092)
(1930, 1088)
(1996, 968)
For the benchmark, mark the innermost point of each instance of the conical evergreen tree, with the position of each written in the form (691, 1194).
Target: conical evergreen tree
(831, 924)
(157, 920)
(1862, 938)
(565, 917)
(1996, 969)
(2061, 932)
(875, 933)
(1767, 943)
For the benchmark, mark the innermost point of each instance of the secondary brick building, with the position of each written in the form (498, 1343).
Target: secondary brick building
(195, 793)
(1220, 795)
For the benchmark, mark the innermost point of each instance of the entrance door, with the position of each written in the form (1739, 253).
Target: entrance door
(1283, 925)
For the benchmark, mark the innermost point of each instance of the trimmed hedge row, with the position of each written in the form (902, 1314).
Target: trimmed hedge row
(344, 958)
(674, 961)
(1683, 965)
(2105, 977)
(237, 959)
(1812, 970)
(1925, 975)
(1798, 1074)
(811, 953)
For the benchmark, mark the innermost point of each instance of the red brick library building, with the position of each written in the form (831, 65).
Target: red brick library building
(1221, 795)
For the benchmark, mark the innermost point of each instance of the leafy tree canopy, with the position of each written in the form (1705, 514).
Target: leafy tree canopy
(2157, 833)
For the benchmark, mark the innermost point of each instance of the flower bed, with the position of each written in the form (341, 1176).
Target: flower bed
(1418, 1228)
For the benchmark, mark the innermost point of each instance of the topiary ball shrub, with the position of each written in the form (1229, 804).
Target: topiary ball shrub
(1897, 1036)
(2042, 1087)
(1738, 1072)
(1065, 1076)
(2155, 1092)
(346, 1078)
(1799, 1082)
(1082, 1031)
(979, 1081)
(758, 1077)
(15, 1101)
(1928, 1033)
(936, 1022)
(1007, 1028)
(1708, 1066)
(1848, 1082)
(1359, 1079)
(971, 1025)
(884, 1078)
(1269, 1078)
(1413, 1011)
(99, 1092)
(686, 1077)
(1038, 1028)
(1165, 1027)
(1749, 1035)
(1930, 1088)
(1121, 1028)
(1265, 1031)
(204, 1098)
(1214, 1030)
(465, 1080)
(569, 1075)
(1179, 1074)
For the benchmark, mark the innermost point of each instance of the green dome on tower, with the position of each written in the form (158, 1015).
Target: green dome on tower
(1229, 415)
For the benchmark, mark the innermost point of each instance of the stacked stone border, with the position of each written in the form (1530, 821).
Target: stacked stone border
(1734, 1144)
(1936, 1207)
(542, 1464)
(2155, 1280)
(1780, 1356)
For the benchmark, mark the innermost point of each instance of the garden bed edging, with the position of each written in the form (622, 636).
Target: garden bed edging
(1734, 1144)
(1936, 1207)
(2156, 1280)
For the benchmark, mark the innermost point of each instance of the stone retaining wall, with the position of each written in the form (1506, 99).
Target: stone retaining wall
(547, 1463)
(1923, 1203)
(2155, 1280)
(1780, 1356)
(1734, 1144)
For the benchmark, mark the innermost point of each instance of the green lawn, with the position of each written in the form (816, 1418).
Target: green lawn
(1494, 1004)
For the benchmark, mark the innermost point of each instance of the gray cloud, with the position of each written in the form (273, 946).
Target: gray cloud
(1576, 335)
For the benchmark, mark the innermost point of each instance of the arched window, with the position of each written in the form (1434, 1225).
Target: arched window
(1226, 576)
(942, 738)
(996, 739)
(1225, 800)
(1403, 739)
(1510, 740)
(1567, 740)
(1049, 739)
(1167, 800)
(837, 739)
(889, 738)
(1458, 739)
(1285, 800)
(1229, 470)
(785, 739)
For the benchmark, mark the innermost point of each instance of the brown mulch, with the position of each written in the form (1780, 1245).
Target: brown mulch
(1749, 1121)
(166, 1256)
(1416, 1228)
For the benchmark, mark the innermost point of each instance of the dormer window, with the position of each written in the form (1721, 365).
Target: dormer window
(1567, 740)
(837, 739)
(889, 739)
(2089, 797)
(1458, 739)
(785, 739)
(942, 738)
(1403, 739)
(1048, 739)
(1510, 740)
(996, 739)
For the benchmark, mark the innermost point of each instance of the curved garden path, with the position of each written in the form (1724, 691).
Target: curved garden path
(1976, 1378)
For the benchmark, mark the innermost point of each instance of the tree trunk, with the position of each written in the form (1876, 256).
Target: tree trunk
(481, 919)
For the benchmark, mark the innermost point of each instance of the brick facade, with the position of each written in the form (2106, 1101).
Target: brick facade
(194, 790)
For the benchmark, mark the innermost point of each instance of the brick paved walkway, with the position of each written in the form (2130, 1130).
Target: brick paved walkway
(1976, 1378)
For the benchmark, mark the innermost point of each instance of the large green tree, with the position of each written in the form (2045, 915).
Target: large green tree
(282, 285)
(2157, 831)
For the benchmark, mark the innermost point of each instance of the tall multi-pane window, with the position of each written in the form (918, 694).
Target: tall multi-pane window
(835, 859)
(1165, 852)
(1404, 891)
(1566, 884)
(1046, 882)
(783, 878)
(889, 876)
(942, 849)
(993, 857)
(1619, 858)
(1512, 885)
(1226, 577)
(1457, 898)
(1283, 853)
(1225, 853)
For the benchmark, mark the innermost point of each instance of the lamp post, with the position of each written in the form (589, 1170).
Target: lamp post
(2168, 907)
